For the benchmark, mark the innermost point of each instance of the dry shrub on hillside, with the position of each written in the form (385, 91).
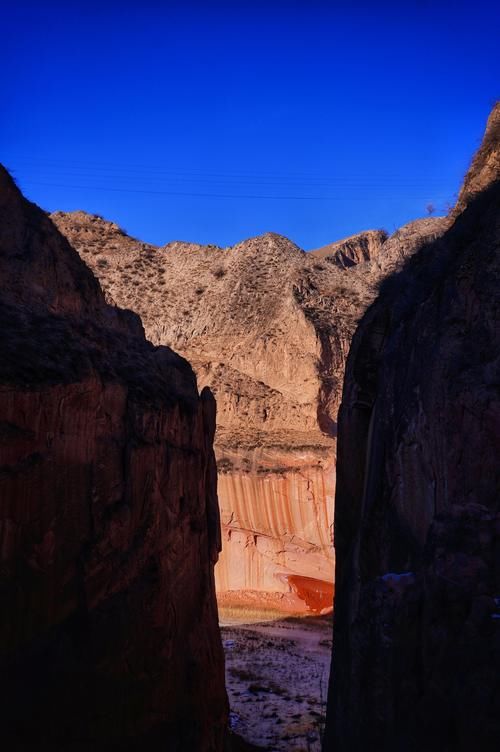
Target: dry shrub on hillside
(219, 272)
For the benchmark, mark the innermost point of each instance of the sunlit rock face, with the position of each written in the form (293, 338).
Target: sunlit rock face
(267, 327)
(109, 526)
(277, 522)
(357, 249)
(416, 655)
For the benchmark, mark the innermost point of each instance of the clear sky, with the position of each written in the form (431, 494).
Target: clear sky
(216, 121)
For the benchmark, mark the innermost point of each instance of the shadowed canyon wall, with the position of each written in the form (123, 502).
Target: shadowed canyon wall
(267, 327)
(109, 526)
(416, 654)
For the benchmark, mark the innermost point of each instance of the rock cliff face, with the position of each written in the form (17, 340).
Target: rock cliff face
(365, 246)
(109, 523)
(267, 327)
(417, 521)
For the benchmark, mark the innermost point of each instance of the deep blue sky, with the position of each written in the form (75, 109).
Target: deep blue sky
(214, 121)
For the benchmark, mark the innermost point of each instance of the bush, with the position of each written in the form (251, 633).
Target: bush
(219, 272)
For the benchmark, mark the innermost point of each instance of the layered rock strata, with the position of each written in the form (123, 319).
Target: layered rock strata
(109, 525)
(417, 522)
(267, 327)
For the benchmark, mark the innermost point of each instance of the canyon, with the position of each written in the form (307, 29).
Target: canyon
(267, 327)
(416, 655)
(109, 523)
(110, 526)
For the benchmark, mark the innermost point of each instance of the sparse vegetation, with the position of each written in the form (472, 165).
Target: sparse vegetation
(219, 272)
(224, 465)
(276, 682)
(243, 674)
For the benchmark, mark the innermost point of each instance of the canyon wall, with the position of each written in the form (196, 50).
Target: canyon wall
(267, 327)
(277, 527)
(416, 655)
(109, 524)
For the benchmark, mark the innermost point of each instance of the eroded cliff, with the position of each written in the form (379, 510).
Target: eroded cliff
(267, 327)
(109, 525)
(417, 521)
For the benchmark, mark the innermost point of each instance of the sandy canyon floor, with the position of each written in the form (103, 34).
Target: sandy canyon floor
(277, 678)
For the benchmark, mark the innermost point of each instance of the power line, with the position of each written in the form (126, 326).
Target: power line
(192, 194)
(100, 169)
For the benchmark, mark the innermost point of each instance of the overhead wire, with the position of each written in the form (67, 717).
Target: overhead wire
(149, 171)
(193, 194)
(177, 182)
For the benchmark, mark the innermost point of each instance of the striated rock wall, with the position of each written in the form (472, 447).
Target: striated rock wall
(109, 525)
(277, 524)
(417, 522)
(267, 327)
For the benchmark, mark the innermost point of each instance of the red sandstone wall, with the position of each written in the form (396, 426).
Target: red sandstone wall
(109, 524)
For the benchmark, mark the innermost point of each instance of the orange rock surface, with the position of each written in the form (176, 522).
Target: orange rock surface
(277, 523)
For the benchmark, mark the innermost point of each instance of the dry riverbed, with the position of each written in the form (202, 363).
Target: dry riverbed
(277, 678)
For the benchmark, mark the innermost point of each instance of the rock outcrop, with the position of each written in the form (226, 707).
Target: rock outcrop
(365, 246)
(267, 327)
(417, 521)
(109, 526)
(485, 166)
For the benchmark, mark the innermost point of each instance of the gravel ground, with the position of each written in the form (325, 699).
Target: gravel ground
(277, 680)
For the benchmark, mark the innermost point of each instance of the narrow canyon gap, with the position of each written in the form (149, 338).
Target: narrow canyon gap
(267, 327)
